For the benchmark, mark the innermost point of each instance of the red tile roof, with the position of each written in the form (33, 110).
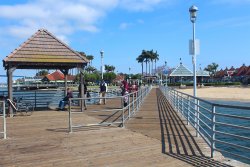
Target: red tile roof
(248, 71)
(58, 75)
(242, 70)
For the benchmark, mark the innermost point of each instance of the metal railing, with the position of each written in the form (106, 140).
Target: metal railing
(225, 128)
(135, 100)
(39, 98)
(3, 116)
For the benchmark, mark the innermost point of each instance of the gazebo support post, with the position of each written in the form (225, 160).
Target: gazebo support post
(65, 72)
(10, 88)
(82, 90)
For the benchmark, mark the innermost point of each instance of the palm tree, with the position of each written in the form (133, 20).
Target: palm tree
(109, 68)
(152, 57)
(146, 56)
(90, 58)
(140, 59)
(156, 57)
(90, 69)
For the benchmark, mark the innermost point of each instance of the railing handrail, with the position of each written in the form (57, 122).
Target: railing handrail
(3, 115)
(214, 103)
(192, 106)
(134, 104)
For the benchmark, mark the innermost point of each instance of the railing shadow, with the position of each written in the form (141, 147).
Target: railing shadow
(176, 139)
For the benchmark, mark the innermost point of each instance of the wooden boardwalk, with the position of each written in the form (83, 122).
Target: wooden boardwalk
(155, 136)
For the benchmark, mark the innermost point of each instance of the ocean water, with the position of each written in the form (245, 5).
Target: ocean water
(231, 129)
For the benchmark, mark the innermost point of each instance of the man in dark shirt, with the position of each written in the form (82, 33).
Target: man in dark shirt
(103, 90)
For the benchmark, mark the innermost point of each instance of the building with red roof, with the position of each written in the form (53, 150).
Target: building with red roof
(58, 76)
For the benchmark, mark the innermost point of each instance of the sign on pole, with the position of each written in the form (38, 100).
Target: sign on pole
(197, 47)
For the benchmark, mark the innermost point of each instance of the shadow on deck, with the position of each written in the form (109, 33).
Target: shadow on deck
(178, 140)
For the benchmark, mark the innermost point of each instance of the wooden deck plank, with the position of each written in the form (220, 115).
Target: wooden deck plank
(42, 139)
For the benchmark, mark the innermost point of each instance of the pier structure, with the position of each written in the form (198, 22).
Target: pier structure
(156, 135)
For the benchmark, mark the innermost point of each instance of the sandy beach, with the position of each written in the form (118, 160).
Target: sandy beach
(222, 93)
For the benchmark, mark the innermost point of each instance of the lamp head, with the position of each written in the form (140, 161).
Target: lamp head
(101, 52)
(193, 10)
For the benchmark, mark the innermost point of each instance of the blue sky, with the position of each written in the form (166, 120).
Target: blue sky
(123, 28)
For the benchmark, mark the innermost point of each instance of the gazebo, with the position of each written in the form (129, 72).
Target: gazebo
(42, 51)
(182, 71)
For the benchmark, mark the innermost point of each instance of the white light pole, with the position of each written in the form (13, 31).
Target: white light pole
(102, 62)
(129, 73)
(166, 73)
(193, 9)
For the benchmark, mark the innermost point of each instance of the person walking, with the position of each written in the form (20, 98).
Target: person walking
(103, 90)
(124, 87)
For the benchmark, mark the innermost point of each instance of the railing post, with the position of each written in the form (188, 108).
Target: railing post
(178, 109)
(122, 105)
(174, 100)
(195, 115)
(123, 114)
(182, 107)
(133, 105)
(129, 105)
(4, 122)
(137, 100)
(188, 111)
(35, 99)
(213, 132)
(198, 117)
(70, 120)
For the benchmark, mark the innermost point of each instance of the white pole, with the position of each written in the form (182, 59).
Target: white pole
(194, 60)
(102, 63)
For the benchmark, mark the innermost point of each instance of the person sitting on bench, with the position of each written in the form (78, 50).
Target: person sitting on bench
(65, 100)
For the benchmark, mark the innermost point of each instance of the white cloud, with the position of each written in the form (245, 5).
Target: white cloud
(124, 26)
(61, 17)
(64, 17)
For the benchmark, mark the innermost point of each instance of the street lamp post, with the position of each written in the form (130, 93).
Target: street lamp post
(102, 62)
(193, 10)
(166, 73)
(129, 73)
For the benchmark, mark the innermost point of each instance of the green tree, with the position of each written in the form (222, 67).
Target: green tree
(136, 76)
(109, 77)
(147, 57)
(140, 59)
(42, 73)
(109, 68)
(90, 69)
(90, 58)
(156, 58)
(212, 68)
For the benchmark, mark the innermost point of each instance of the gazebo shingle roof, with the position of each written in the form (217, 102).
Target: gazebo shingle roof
(45, 49)
(181, 71)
